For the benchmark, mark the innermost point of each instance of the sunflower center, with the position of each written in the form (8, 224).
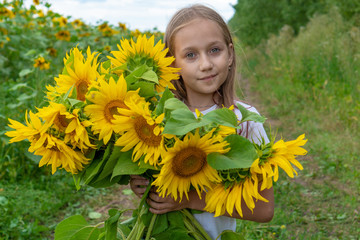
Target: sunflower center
(81, 90)
(61, 121)
(111, 109)
(145, 132)
(54, 149)
(189, 161)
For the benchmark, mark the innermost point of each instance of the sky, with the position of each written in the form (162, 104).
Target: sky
(136, 14)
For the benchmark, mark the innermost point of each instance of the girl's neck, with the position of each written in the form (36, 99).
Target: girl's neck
(201, 103)
(200, 107)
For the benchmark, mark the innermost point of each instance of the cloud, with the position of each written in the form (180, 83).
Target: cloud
(136, 14)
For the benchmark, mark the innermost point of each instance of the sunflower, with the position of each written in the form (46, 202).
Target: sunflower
(33, 130)
(56, 115)
(281, 154)
(4, 12)
(106, 102)
(69, 123)
(52, 51)
(63, 35)
(51, 93)
(41, 63)
(141, 132)
(185, 164)
(143, 51)
(77, 23)
(79, 72)
(55, 152)
(223, 199)
(122, 26)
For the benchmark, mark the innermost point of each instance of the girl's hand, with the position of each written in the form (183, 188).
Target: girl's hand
(161, 205)
(138, 185)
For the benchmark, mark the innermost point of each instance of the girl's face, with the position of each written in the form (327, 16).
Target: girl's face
(204, 58)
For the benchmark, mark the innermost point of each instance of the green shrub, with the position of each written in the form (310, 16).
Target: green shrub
(255, 20)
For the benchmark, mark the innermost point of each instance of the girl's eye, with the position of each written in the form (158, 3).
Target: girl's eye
(190, 55)
(215, 50)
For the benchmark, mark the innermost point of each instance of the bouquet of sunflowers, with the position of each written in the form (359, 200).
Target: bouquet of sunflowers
(105, 121)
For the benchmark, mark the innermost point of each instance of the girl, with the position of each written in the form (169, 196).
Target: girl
(202, 45)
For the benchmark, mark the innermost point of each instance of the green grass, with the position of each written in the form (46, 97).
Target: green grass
(309, 84)
(32, 208)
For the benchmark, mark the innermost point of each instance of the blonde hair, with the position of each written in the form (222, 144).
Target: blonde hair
(180, 19)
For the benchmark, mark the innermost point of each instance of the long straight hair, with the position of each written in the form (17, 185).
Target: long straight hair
(226, 92)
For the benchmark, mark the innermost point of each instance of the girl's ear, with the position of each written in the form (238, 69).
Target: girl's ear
(231, 54)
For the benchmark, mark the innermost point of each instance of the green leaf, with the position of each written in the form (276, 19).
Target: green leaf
(110, 163)
(151, 76)
(23, 97)
(122, 67)
(94, 215)
(222, 116)
(111, 224)
(125, 165)
(230, 235)
(31, 52)
(19, 85)
(67, 94)
(183, 121)
(241, 155)
(106, 64)
(25, 72)
(175, 103)
(147, 89)
(176, 218)
(161, 224)
(96, 165)
(249, 116)
(73, 101)
(34, 158)
(136, 74)
(74, 228)
(105, 182)
(167, 94)
(174, 234)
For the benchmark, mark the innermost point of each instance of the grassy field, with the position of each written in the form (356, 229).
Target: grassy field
(310, 84)
(303, 84)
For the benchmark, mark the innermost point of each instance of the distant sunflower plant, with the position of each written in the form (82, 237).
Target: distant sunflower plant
(103, 121)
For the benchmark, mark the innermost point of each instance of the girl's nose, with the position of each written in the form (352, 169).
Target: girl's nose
(205, 63)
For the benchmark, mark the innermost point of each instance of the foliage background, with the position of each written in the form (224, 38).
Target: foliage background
(306, 52)
(299, 62)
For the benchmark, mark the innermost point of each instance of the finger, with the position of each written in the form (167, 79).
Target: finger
(156, 198)
(159, 211)
(158, 205)
(136, 177)
(139, 182)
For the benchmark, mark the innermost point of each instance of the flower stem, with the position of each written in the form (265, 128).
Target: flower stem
(192, 230)
(139, 227)
(196, 224)
(151, 226)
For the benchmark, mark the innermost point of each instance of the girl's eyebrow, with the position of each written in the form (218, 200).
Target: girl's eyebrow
(210, 44)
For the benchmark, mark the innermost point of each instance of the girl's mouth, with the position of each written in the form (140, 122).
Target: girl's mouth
(209, 77)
